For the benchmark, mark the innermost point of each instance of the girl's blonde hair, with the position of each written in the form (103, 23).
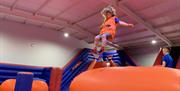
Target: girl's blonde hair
(108, 9)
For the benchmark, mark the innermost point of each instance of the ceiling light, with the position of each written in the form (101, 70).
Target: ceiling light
(153, 41)
(66, 35)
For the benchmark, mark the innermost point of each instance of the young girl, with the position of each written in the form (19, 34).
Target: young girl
(108, 28)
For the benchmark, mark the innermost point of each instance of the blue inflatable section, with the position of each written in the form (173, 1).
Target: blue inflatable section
(83, 60)
(24, 82)
(115, 57)
(78, 65)
(9, 71)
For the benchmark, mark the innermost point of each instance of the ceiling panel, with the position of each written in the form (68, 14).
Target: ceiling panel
(7, 2)
(142, 4)
(29, 5)
(162, 14)
(57, 6)
(81, 10)
(167, 6)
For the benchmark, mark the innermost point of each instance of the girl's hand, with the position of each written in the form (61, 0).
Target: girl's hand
(131, 25)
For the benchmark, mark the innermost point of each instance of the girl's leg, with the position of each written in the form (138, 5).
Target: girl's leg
(96, 42)
(104, 40)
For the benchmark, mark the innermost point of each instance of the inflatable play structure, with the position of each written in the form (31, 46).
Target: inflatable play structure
(15, 77)
(113, 70)
(128, 79)
(110, 77)
(84, 60)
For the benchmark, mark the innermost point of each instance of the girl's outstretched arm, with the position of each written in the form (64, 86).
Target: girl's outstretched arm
(122, 23)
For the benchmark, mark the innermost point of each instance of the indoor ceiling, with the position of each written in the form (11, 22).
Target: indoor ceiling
(153, 19)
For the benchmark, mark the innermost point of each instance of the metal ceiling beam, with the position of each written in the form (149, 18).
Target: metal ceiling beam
(133, 36)
(157, 27)
(136, 40)
(138, 19)
(139, 44)
(90, 15)
(42, 6)
(173, 34)
(164, 14)
(43, 19)
(84, 18)
(67, 8)
(144, 35)
(14, 4)
(168, 24)
(138, 31)
(142, 45)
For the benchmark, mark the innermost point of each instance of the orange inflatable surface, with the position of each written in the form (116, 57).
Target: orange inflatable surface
(37, 85)
(128, 79)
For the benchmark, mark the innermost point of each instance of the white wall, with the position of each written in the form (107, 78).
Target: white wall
(145, 59)
(50, 48)
(145, 56)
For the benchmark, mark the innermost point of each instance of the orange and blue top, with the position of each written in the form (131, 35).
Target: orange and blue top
(109, 26)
